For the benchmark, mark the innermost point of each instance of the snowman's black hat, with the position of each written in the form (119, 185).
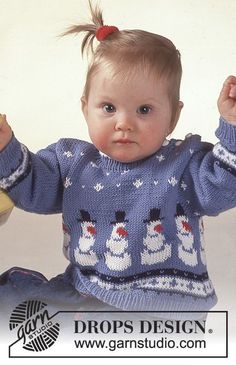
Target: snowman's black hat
(120, 217)
(179, 210)
(86, 217)
(154, 215)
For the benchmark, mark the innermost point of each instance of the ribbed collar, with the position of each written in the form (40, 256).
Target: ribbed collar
(113, 165)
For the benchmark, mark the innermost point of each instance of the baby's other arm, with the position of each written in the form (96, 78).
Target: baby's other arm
(227, 100)
(32, 181)
(5, 132)
(212, 171)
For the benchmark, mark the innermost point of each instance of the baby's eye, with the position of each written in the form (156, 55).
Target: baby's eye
(144, 109)
(109, 108)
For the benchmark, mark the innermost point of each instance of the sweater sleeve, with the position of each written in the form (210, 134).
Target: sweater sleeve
(33, 181)
(212, 173)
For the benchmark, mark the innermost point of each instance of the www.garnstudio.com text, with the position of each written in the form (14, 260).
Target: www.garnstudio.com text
(161, 343)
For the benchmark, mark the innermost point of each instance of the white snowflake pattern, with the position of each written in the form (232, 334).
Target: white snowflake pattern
(160, 158)
(94, 165)
(67, 182)
(191, 151)
(124, 172)
(68, 154)
(173, 181)
(183, 185)
(156, 182)
(138, 183)
(82, 153)
(98, 187)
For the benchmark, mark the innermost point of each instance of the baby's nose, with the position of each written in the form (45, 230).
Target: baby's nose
(124, 122)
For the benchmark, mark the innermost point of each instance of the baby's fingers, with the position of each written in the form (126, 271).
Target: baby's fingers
(5, 132)
(4, 126)
(228, 89)
(232, 92)
(2, 119)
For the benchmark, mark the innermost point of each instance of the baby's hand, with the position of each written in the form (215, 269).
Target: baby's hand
(5, 132)
(227, 100)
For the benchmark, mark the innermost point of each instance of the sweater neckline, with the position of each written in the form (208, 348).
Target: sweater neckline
(113, 165)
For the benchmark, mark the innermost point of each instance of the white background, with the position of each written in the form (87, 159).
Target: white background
(41, 81)
(41, 75)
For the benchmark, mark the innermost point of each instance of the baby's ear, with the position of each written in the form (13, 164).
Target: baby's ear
(176, 117)
(84, 106)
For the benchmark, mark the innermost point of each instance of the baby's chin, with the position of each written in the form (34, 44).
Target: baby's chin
(126, 153)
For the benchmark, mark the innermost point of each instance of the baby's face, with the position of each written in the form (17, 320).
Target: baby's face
(127, 120)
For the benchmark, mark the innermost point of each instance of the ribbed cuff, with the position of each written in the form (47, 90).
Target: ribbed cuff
(10, 157)
(226, 133)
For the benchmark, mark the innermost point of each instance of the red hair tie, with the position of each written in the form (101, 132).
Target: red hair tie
(104, 31)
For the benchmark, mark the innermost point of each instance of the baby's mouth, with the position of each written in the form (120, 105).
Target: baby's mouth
(124, 141)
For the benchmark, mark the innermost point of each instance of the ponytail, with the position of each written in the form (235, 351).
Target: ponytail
(89, 29)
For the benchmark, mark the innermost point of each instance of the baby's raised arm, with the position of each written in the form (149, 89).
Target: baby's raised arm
(33, 181)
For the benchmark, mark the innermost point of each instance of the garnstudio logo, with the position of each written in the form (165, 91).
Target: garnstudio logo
(34, 326)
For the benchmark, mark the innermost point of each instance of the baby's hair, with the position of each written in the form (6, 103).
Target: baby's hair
(128, 52)
(90, 29)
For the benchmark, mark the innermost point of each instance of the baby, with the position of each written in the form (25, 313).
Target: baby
(132, 201)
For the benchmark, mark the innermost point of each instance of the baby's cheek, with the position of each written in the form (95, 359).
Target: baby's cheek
(100, 140)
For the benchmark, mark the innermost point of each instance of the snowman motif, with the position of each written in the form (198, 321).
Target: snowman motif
(186, 251)
(202, 241)
(156, 249)
(116, 257)
(84, 253)
(66, 240)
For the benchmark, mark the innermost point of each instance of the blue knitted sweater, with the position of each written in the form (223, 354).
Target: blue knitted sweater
(133, 233)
